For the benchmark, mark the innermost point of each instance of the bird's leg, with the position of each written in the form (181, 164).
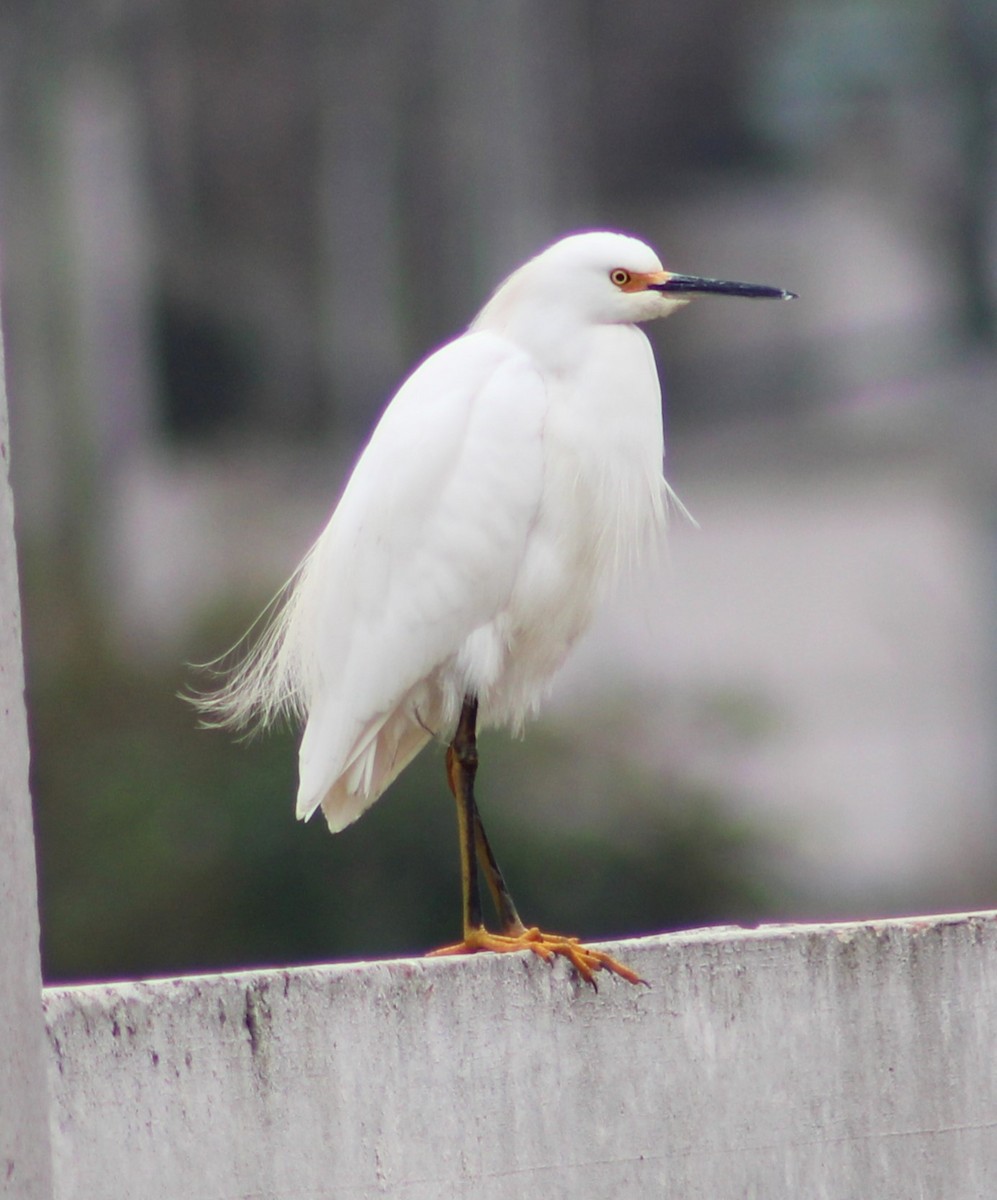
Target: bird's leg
(462, 766)
(504, 904)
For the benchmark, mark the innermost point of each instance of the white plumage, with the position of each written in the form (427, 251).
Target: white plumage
(513, 475)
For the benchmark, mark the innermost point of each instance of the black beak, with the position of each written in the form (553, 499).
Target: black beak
(722, 287)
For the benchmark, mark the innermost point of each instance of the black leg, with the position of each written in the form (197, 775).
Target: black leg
(462, 766)
(504, 906)
(475, 849)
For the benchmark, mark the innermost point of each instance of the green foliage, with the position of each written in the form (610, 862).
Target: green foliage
(166, 848)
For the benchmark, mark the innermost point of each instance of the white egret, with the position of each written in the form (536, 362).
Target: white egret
(512, 475)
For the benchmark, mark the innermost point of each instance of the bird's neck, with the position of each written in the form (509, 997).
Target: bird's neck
(553, 337)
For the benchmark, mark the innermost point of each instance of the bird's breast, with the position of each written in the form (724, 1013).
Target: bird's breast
(601, 499)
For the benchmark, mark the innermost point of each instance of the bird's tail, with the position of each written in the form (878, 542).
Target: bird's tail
(375, 761)
(261, 679)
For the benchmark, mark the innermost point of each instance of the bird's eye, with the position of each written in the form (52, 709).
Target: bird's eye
(620, 277)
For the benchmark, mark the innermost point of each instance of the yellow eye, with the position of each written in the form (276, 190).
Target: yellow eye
(620, 277)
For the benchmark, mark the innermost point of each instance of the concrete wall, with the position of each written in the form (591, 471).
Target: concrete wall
(850, 1061)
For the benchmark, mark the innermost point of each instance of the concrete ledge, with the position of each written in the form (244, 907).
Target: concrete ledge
(855, 1061)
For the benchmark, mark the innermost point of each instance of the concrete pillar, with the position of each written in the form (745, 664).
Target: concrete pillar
(25, 1155)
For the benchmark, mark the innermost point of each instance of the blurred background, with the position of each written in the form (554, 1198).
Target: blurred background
(230, 226)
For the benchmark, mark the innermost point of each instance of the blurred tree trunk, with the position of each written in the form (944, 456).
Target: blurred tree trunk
(499, 157)
(361, 97)
(974, 221)
(79, 257)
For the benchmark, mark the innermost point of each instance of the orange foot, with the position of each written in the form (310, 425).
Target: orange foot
(584, 959)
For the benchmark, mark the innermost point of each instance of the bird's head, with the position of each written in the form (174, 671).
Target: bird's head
(607, 278)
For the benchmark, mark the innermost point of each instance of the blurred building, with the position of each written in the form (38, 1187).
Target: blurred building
(228, 229)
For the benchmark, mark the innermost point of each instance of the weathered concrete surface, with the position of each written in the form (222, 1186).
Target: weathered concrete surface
(848, 1061)
(25, 1167)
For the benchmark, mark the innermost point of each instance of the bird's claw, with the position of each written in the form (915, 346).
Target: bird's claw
(585, 960)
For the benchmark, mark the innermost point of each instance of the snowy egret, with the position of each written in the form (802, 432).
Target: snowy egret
(513, 474)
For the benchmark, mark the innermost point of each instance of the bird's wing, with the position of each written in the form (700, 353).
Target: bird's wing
(422, 550)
